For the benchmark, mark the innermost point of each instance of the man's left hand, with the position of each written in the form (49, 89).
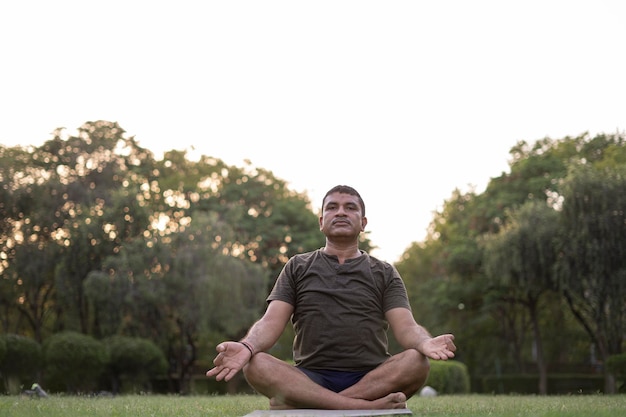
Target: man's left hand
(441, 347)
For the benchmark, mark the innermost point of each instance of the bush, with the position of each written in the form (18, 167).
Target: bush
(135, 360)
(20, 363)
(616, 365)
(74, 361)
(449, 377)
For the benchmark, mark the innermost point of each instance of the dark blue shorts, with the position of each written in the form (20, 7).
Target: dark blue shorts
(334, 380)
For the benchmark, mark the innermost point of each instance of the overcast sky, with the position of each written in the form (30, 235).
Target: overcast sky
(404, 100)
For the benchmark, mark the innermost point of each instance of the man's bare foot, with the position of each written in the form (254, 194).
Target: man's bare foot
(393, 400)
(277, 404)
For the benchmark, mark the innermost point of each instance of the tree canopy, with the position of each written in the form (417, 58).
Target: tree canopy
(99, 237)
(540, 251)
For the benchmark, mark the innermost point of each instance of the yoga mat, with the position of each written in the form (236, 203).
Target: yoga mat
(328, 413)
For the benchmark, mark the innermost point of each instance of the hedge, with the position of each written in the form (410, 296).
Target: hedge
(21, 362)
(74, 361)
(449, 377)
(133, 362)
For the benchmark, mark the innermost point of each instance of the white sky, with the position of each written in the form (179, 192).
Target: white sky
(404, 100)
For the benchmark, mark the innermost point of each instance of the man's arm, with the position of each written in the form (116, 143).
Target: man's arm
(233, 356)
(265, 332)
(411, 335)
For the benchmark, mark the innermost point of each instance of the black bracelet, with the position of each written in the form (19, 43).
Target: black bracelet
(249, 347)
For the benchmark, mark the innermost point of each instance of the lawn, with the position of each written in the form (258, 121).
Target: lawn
(240, 405)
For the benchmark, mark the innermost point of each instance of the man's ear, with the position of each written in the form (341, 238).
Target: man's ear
(363, 223)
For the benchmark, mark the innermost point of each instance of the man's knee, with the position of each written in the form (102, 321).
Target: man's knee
(422, 362)
(414, 362)
(416, 369)
(257, 366)
(264, 368)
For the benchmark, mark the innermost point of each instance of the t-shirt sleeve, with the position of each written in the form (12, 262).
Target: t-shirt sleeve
(395, 292)
(284, 288)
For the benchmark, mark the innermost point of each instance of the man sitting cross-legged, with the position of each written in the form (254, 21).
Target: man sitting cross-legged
(341, 302)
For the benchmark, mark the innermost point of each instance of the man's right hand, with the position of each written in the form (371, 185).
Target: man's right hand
(231, 358)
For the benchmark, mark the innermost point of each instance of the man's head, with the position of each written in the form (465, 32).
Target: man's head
(345, 189)
(343, 214)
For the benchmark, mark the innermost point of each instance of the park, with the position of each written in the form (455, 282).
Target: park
(121, 272)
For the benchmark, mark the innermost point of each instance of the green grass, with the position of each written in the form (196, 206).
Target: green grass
(240, 405)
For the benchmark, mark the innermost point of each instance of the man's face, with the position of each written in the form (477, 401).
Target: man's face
(342, 216)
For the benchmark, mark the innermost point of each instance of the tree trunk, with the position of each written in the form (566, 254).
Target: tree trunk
(541, 364)
(610, 386)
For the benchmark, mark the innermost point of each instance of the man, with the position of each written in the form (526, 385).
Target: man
(341, 301)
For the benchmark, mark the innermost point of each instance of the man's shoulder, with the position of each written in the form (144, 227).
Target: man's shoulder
(376, 262)
(304, 257)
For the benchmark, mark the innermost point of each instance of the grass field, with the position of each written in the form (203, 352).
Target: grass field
(240, 405)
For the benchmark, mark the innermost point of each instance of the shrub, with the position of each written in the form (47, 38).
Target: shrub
(616, 365)
(134, 359)
(21, 361)
(449, 377)
(74, 361)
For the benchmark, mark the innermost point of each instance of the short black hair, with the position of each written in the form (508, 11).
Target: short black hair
(345, 189)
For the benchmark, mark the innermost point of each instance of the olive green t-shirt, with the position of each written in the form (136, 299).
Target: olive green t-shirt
(339, 309)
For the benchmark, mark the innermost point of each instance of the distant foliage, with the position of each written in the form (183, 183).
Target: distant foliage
(74, 361)
(616, 364)
(530, 273)
(134, 360)
(176, 250)
(21, 361)
(449, 377)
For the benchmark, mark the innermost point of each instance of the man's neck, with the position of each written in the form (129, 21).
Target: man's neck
(342, 252)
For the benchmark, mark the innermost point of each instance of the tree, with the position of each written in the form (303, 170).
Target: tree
(180, 292)
(32, 273)
(519, 262)
(443, 279)
(99, 238)
(592, 268)
(454, 248)
(53, 201)
(27, 251)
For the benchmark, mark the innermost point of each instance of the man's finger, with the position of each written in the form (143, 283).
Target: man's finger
(231, 373)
